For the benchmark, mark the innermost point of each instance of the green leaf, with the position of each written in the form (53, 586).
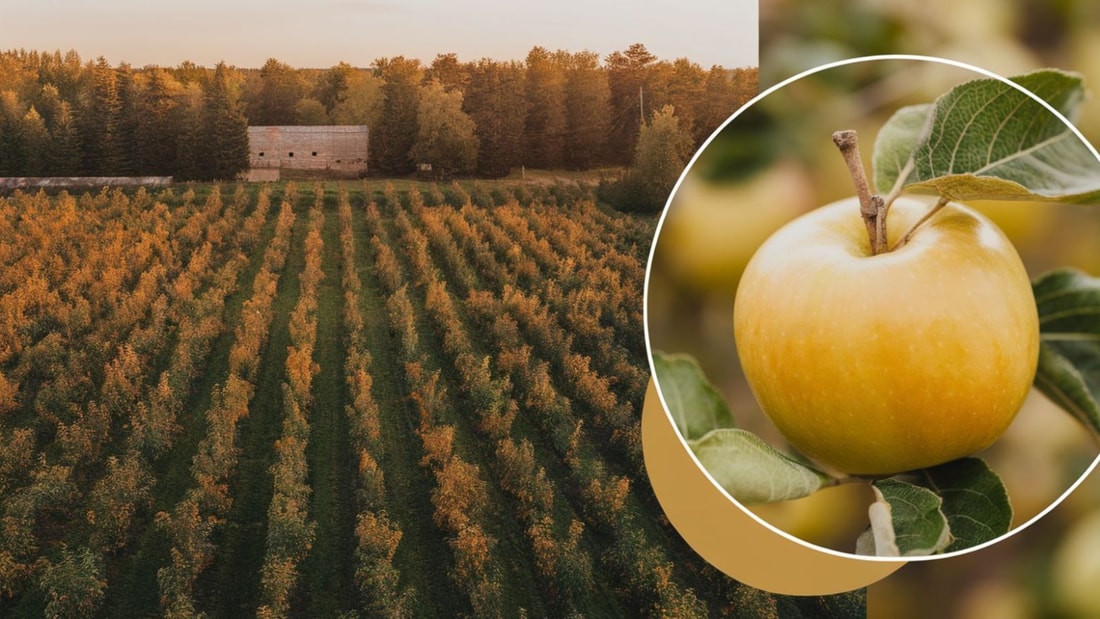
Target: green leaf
(974, 501)
(1069, 352)
(753, 471)
(895, 143)
(694, 403)
(949, 507)
(906, 521)
(1069, 375)
(986, 139)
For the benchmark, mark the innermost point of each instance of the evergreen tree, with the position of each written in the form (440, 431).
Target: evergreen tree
(718, 101)
(99, 121)
(226, 128)
(544, 125)
(65, 74)
(446, 136)
(746, 83)
(190, 162)
(685, 91)
(158, 125)
(495, 101)
(13, 156)
(128, 118)
(63, 157)
(659, 78)
(18, 73)
(36, 140)
(396, 131)
(587, 112)
(631, 92)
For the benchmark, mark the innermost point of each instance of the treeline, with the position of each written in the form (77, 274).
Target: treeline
(62, 116)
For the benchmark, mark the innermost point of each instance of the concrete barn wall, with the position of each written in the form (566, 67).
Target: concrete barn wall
(339, 147)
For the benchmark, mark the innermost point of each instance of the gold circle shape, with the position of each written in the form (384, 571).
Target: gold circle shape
(726, 536)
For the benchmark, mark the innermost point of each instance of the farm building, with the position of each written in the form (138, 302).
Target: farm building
(339, 148)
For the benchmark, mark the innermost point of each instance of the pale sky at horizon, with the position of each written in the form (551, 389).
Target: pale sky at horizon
(245, 33)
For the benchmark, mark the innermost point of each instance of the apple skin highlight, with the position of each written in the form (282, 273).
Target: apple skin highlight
(874, 365)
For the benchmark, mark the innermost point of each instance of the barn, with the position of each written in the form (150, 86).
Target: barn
(336, 148)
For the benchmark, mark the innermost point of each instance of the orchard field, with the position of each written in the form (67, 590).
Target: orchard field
(334, 399)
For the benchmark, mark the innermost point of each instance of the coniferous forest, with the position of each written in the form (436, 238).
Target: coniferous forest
(61, 115)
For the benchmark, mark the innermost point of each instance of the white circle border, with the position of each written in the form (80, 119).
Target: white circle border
(649, 267)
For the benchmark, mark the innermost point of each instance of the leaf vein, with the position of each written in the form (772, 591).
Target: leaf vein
(1054, 139)
(966, 129)
(1000, 130)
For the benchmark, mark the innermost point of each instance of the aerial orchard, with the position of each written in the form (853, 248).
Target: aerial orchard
(162, 375)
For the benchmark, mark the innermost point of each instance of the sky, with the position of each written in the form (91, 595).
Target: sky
(321, 33)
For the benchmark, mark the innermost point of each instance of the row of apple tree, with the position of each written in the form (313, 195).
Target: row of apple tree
(192, 522)
(95, 385)
(531, 371)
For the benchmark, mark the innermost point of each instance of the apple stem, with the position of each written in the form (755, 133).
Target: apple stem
(852, 479)
(871, 207)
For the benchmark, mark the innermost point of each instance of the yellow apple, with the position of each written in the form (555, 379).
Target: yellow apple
(903, 360)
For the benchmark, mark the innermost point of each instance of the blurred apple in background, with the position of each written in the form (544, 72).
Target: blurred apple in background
(1082, 54)
(1026, 224)
(1075, 569)
(830, 518)
(1042, 454)
(1076, 239)
(712, 228)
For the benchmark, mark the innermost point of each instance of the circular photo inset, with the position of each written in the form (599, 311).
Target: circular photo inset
(873, 310)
